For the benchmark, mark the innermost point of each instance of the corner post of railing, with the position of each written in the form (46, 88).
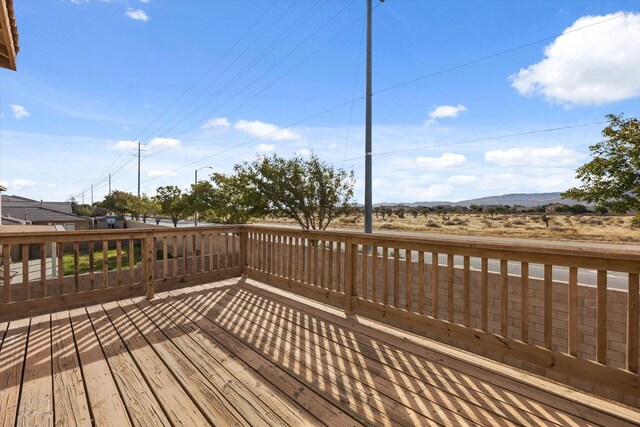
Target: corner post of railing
(350, 284)
(149, 264)
(244, 249)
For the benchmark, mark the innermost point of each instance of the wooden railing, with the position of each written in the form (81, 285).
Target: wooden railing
(521, 303)
(52, 270)
(516, 302)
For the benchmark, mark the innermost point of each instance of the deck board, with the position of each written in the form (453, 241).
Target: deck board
(12, 355)
(241, 353)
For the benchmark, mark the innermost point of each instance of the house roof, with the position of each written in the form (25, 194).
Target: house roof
(39, 214)
(64, 207)
(9, 45)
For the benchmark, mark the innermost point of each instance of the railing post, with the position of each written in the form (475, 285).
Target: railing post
(148, 264)
(350, 283)
(244, 250)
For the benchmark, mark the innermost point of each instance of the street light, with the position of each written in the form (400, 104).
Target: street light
(195, 215)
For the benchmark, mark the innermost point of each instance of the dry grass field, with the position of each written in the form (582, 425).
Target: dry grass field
(590, 228)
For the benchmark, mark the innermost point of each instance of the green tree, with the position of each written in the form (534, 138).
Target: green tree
(142, 206)
(173, 203)
(118, 202)
(612, 177)
(228, 199)
(307, 190)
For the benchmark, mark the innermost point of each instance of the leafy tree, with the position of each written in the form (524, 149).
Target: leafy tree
(612, 177)
(143, 206)
(578, 209)
(118, 202)
(307, 190)
(173, 203)
(227, 199)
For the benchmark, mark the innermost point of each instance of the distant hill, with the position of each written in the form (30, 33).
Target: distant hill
(522, 199)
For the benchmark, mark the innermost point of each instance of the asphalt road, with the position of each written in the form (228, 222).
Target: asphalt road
(615, 280)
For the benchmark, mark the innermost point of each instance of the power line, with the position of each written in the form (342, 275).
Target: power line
(490, 138)
(260, 92)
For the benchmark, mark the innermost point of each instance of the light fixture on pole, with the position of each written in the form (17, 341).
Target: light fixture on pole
(195, 215)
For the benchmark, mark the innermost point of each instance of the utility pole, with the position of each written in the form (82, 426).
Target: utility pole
(368, 205)
(91, 194)
(138, 168)
(109, 183)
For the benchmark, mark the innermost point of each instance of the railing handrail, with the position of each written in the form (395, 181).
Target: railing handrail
(580, 254)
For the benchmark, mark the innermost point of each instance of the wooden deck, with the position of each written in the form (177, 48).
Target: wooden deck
(239, 353)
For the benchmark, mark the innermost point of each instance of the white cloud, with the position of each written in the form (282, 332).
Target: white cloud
(531, 156)
(144, 1)
(124, 145)
(445, 111)
(161, 173)
(597, 65)
(462, 179)
(304, 152)
(266, 130)
(217, 123)
(137, 14)
(24, 184)
(79, 1)
(446, 161)
(164, 143)
(18, 111)
(266, 148)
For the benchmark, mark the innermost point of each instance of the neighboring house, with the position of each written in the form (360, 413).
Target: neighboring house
(1, 190)
(20, 210)
(9, 46)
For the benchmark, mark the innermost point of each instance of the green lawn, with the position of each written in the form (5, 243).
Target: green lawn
(83, 260)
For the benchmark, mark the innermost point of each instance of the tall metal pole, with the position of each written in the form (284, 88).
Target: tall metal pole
(195, 214)
(368, 205)
(138, 168)
(91, 194)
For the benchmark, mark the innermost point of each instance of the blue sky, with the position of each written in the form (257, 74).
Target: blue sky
(213, 83)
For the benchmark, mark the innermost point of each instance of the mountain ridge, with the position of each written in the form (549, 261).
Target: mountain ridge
(521, 199)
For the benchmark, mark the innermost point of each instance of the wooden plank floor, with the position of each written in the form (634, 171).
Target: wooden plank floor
(240, 353)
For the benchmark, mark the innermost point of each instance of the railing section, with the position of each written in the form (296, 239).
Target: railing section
(523, 304)
(312, 264)
(47, 271)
